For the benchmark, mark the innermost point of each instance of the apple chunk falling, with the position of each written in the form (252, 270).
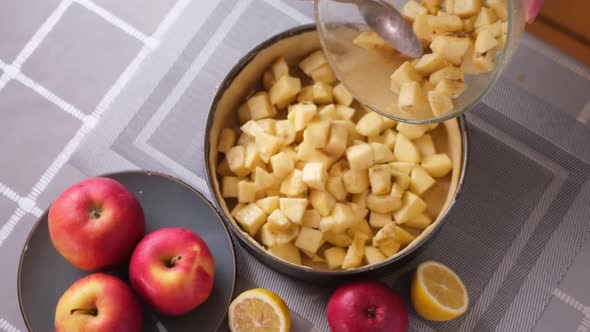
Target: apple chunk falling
(98, 302)
(96, 223)
(172, 269)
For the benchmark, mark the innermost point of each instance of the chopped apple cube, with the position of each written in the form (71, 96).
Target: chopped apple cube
(486, 16)
(311, 219)
(360, 157)
(444, 24)
(279, 68)
(236, 159)
(260, 106)
(268, 125)
(430, 63)
(392, 233)
(485, 41)
(378, 220)
(324, 74)
(412, 9)
(328, 111)
(422, 28)
(246, 191)
(450, 47)
(370, 40)
(411, 97)
(285, 132)
(252, 158)
(284, 91)
(282, 164)
(287, 252)
(263, 179)
(322, 201)
(337, 239)
(370, 124)
(420, 180)
(437, 165)
(500, 8)
(412, 206)
(412, 131)
(404, 167)
(433, 6)
(421, 221)
(406, 73)
(361, 227)
(244, 113)
(342, 96)
(338, 168)
(380, 178)
(267, 146)
(268, 204)
(334, 257)
(250, 217)
(343, 216)
(390, 248)
(301, 115)
(315, 175)
(464, 8)
(389, 136)
(373, 255)
(345, 112)
(468, 24)
(337, 139)
(359, 212)
(449, 73)
(450, 88)
(405, 150)
(309, 239)
(322, 93)
(316, 133)
(293, 208)
(355, 253)
(335, 186)
(425, 145)
(252, 128)
(312, 62)
(383, 203)
(381, 153)
(278, 220)
(229, 186)
(293, 184)
(305, 95)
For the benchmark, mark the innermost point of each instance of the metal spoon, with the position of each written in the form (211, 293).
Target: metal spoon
(388, 23)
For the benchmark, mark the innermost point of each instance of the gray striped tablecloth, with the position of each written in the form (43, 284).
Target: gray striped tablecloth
(89, 87)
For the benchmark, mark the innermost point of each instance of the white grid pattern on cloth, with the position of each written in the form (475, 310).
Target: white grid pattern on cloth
(27, 204)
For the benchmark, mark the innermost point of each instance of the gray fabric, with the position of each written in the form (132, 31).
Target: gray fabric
(115, 89)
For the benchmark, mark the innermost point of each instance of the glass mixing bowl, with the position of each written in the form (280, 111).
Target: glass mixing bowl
(366, 74)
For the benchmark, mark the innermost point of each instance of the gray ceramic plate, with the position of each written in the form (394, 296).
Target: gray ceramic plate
(167, 202)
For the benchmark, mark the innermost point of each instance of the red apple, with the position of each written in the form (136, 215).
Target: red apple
(97, 303)
(96, 223)
(172, 269)
(366, 306)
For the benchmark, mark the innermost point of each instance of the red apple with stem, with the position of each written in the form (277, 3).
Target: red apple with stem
(96, 303)
(96, 223)
(366, 306)
(172, 269)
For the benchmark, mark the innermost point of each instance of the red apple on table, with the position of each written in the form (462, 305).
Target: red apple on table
(97, 303)
(96, 223)
(366, 306)
(172, 269)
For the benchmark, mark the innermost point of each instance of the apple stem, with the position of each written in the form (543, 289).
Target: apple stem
(174, 260)
(371, 312)
(92, 312)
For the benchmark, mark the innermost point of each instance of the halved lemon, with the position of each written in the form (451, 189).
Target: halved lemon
(259, 310)
(438, 293)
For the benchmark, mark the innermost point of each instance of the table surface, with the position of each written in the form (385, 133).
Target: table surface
(90, 87)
